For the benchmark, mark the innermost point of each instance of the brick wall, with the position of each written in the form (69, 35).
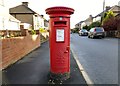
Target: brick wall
(14, 49)
(0, 54)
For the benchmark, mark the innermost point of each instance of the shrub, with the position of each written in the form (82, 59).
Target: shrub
(33, 32)
(75, 30)
(94, 24)
(86, 27)
(111, 24)
(42, 30)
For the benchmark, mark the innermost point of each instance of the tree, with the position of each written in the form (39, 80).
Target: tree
(107, 16)
(42, 30)
(95, 24)
(75, 30)
(112, 24)
(86, 27)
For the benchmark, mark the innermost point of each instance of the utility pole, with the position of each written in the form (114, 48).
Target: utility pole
(104, 6)
(102, 16)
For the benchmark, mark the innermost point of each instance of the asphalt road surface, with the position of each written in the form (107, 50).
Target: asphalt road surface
(99, 57)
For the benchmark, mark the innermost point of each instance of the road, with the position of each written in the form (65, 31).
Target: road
(99, 58)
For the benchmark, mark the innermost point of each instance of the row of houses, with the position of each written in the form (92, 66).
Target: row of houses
(14, 25)
(98, 17)
(10, 19)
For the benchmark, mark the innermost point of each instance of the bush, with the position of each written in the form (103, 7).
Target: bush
(86, 27)
(111, 24)
(107, 16)
(75, 30)
(33, 32)
(94, 24)
(42, 30)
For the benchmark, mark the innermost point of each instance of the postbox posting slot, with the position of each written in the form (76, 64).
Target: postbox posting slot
(60, 35)
(60, 23)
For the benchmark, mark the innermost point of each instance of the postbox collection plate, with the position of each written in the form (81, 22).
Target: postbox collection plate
(60, 35)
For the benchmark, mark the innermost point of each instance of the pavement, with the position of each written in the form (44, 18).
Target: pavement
(34, 69)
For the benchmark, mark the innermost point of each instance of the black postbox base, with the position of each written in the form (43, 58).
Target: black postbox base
(60, 77)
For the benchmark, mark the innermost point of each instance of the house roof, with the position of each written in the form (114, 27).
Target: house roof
(115, 8)
(89, 18)
(21, 9)
(11, 18)
(81, 22)
(118, 14)
(100, 14)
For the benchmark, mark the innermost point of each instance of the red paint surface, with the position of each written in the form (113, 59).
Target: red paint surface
(59, 51)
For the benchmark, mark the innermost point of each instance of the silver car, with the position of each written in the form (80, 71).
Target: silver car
(83, 32)
(96, 32)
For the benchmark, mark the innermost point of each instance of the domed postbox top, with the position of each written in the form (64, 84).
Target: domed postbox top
(59, 10)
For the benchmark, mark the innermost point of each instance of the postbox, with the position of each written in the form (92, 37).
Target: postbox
(59, 41)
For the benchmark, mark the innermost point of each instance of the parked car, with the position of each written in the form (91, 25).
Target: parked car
(96, 32)
(83, 32)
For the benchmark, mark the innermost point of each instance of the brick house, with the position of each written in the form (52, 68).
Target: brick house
(26, 15)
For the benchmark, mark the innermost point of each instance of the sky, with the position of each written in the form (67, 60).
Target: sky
(83, 8)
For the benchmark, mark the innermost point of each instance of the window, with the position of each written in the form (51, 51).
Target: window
(92, 29)
(99, 29)
(1, 2)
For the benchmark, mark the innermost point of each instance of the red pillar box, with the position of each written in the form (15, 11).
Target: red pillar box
(59, 41)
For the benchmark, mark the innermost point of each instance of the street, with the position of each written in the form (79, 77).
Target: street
(99, 58)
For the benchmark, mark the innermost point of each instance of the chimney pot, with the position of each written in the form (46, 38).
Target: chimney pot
(42, 15)
(25, 3)
(108, 8)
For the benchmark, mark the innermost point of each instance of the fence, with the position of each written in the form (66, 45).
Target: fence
(113, 34)
(15, 33)
(10, 33)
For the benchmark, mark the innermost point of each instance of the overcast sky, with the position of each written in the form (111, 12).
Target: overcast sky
(83, 8)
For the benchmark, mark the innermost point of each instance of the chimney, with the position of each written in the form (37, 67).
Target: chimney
(108, 8)
(25, 3)
(90, 17)
(42, 15)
